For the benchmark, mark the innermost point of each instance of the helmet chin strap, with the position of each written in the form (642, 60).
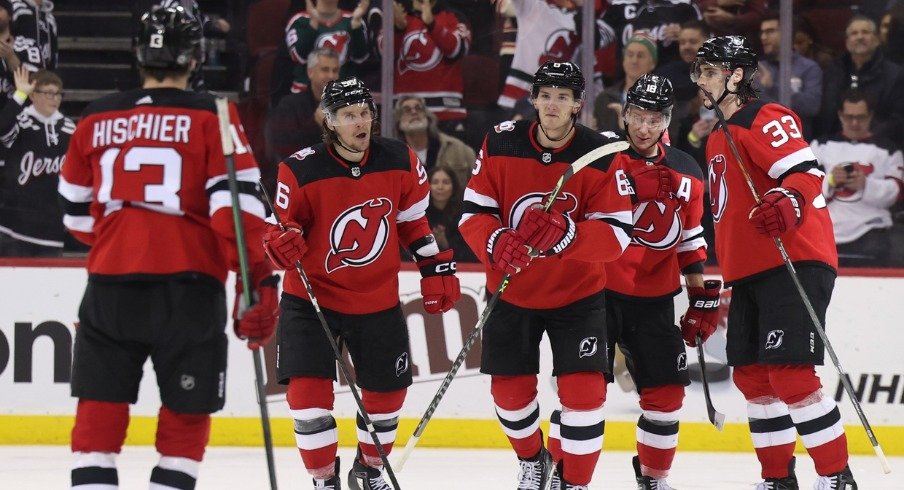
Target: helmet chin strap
(570, 129)
(340, 143)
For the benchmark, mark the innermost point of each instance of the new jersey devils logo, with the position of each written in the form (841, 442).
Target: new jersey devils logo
(559, 46)
(718, 189)
(587, 347)
(657, 224)
(337, 41)
(418, 52)
(566, 203)
(359, 235)
(774, 339)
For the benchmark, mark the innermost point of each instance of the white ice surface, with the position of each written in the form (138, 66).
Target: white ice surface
(47, 467)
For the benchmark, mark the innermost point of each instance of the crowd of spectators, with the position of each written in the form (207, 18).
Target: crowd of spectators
(845, 86)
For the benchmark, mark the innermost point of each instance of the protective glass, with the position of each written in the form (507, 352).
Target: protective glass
(361, 113)
(704, 70)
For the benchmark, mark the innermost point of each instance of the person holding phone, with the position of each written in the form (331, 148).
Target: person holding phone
(864, 180)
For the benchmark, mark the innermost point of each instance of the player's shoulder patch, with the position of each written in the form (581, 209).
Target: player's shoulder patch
(310, 164)
(586, 140)
(510, 138)
(682, 162)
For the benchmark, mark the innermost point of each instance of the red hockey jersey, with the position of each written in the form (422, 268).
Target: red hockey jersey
(145, 184)
(668, 236)
(769, 139)
(428, 62)
(354, 216)
(514, 172)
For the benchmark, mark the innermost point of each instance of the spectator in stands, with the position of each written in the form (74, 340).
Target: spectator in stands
(35, 31)
(640, 57)
(35, 139)
(806, 45)
(552, 21)
(662, 20)
(418, 127)
(324, 25)
(864, 68)
(726, 17)
(444, 211)
(806, 75)
(295, 122)
(891, 34)
(690, 38)
(9, 61)
(430, 40)
(864, 181)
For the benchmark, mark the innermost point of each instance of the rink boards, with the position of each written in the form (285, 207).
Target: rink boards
(40, 304)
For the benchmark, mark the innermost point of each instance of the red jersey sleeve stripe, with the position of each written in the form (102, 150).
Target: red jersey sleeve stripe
(620, 221)
(790, 161)
(417, 211)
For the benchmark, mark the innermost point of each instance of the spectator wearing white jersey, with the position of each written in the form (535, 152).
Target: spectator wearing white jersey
(864, 181)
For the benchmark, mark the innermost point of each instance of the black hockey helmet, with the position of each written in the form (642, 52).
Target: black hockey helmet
(562, 74)
(652, 92)
(731, 51)
(169, 37)
(345, 92)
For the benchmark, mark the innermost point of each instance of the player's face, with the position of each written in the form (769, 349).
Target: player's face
(855, 120)
(440, 187)
(644, 128)
(46, 99)
(556, 106)
(353, 125)
(710, 77)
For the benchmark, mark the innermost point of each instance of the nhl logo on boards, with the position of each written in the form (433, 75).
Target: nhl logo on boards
(401, 364)
(546, 157)
(587, 347)
(187, 382)
(774, 339)
(356, 171)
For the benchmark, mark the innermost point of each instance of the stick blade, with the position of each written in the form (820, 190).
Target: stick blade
(718, 420)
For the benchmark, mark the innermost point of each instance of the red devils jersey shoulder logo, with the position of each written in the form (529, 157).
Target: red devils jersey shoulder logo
(718, 189)
(418, 52)
(566, 203)
(657, 224)
(560, 46)
(337, 41)
(359, 235)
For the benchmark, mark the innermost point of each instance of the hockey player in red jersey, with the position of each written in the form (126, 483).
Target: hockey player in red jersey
(145, 184)
(560, 292)
(667, 241)
(349, 204)
(772, 342)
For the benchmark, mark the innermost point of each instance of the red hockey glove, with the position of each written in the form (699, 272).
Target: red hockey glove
(439, 286)
(548, 233)
(507, 251)
(652, 183)
(779, 212)
(702, 312)
(258, 322)
(284, 247)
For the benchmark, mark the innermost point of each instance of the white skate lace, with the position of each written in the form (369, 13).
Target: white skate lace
(529, 475)
(766, 485)
(378, 483)
(660, 485)
(829, 483)
(324, 485)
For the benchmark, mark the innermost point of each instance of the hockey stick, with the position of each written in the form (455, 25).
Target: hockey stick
(244, 270)
(575, 167)
(337, 352)
(803, 294)
(715, 417)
